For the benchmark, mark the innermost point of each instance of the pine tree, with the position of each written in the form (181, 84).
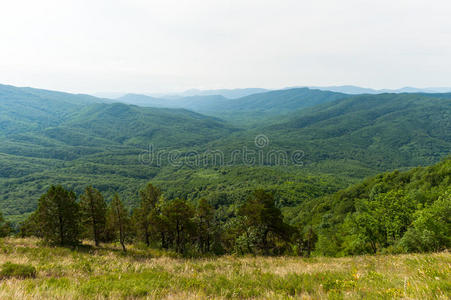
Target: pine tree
(179, 215)
(119, 220)
(204, 217)
(5, 227)
(149, 199)
(261, 213)
(93, 213)
(58, 216)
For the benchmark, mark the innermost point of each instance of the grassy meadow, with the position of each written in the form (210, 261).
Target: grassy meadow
(30, 270)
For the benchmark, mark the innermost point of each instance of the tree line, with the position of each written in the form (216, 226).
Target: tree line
(394, 212)
(256, 226)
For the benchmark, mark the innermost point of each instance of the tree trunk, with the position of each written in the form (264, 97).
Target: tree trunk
(121, 230)
(146, 232)
(123, 245)
(177, 241)
(94, 223)
(60, 219)
(265, 241)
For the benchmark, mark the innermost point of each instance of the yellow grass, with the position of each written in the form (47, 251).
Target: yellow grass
(106, 273)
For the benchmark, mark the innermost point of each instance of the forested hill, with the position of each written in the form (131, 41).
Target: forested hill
(138, 126)
(23, 109)
(391, 212)
(47, 124)
(75, 140)
(387, 131)
(243, 110)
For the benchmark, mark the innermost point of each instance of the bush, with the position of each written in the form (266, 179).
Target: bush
(431, 229)
(17, 270)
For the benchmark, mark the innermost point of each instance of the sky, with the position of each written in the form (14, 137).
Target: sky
(146, 46)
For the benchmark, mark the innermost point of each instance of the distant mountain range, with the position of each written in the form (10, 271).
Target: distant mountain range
(256, 106)
(238, 93)
(227, 93)
(353, 90)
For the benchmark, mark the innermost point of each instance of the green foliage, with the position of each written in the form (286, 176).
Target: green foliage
(5, 227)
(385, 131)
(179, 215)
(58, 217)
(93, 213)
(264, 219)
(21, 271)
(205, 220)
(118, 221)
(394, 212)
(431, 228)
(150, 196)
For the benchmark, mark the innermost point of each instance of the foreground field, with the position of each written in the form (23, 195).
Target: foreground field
(90, 273)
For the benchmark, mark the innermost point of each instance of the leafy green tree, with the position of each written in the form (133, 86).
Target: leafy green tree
(366, 233)
(58, 215)
(378, 223)
(30, 226)
(395, 210)
(160, 225)
(150, 196)
(93, 213)
(5, 227)
(261, 213)
(205, 214)
(431, 229)
(329, 236)
(119, 220)
(305, 239)
(180, 216)
(310, 238)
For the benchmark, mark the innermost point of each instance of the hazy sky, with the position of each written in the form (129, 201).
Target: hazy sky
(158, 46)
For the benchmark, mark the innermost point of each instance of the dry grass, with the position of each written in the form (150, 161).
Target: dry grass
(106, 273)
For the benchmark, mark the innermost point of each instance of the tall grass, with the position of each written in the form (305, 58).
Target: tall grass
(106, 273)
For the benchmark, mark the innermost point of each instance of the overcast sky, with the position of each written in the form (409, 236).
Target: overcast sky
(158, 46)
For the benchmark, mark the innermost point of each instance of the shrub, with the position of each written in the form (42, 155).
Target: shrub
(17, 271)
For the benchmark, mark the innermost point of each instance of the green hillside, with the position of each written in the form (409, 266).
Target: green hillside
(382, 131)
(76, 140)
(390, 212)
(245, 110)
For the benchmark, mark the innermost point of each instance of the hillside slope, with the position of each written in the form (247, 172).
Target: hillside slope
(387, 131)
(249, 109)
(23, 109)
(393, 211)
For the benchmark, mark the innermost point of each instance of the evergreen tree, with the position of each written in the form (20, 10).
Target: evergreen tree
(179, 216)
(261, 214)
(93, 213)
(160, 225)
(30, 226)
(149, 199)
(204, 218)
(119, 220)
(58, 215)
(5, 227)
